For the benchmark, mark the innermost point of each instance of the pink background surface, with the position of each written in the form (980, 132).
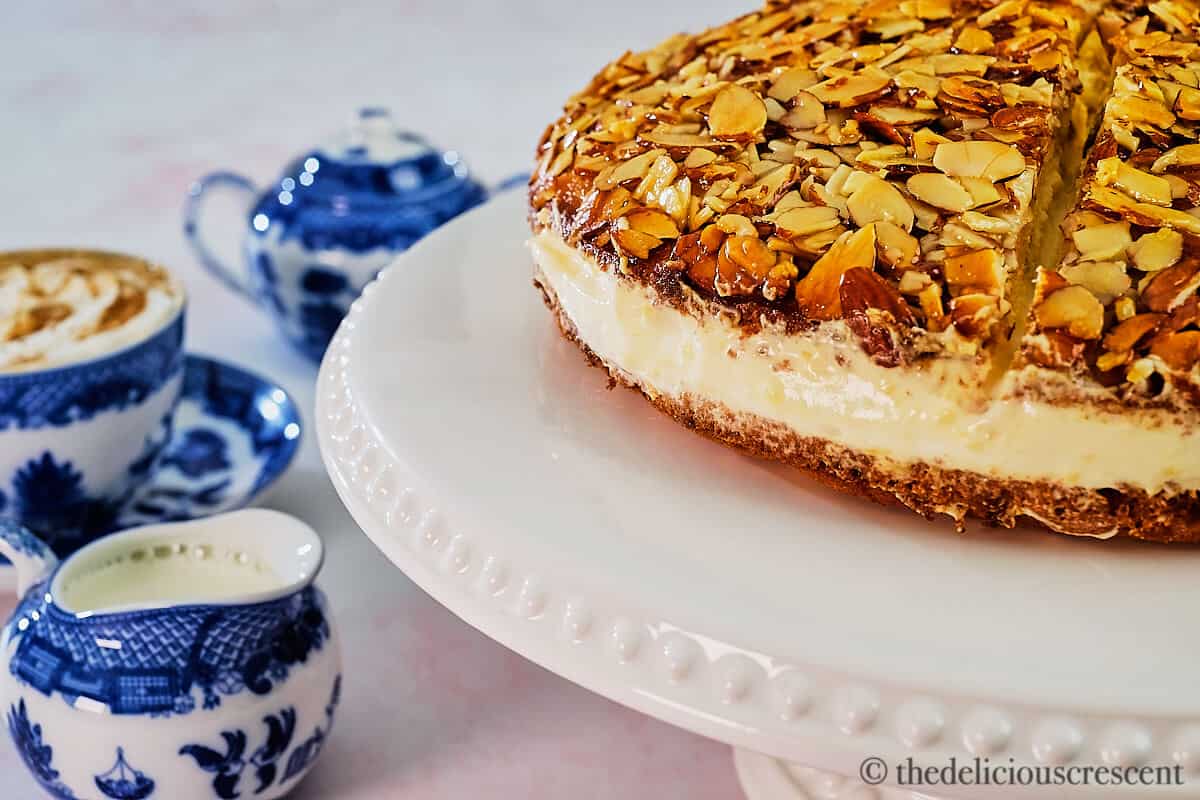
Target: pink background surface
(111, 108)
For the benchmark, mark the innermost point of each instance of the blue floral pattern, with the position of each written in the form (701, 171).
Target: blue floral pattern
(123, 782)
(37, 755)
(60, 397)
(229, 763)
(169, 653)
(21, 540)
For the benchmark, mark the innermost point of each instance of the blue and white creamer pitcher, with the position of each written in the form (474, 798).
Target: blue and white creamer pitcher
(188, 661)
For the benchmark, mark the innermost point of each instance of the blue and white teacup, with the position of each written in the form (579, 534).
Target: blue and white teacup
(188, 661)
(91, 365)
(338, 216)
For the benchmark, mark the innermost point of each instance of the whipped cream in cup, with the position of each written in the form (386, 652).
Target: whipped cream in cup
(91, 369)
(61, 307)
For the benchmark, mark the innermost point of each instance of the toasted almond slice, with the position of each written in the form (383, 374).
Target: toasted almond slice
(1140, 110)
(925, 142)
(798, 222)
(1102, 242)
(851, 90)
(1170, 287)
(979, 159)
(895, 246)
(974, 40)
(1107, 280)
(914, 282)
(806, 114)
(817, 293)
(654, 222)
(1127, 334)
(636, 167)
(668, 138)
(1158, 250)
(1180, 350)
(699, 158)
(791, 82)
(635, 243)
(983, 192)
(1141, 186)
(940, 191)
(875, 199)
(1073, 308)
(737, 113)
(1186, 155)
(979, 270)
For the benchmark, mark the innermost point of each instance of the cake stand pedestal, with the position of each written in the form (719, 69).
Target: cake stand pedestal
(582, 529)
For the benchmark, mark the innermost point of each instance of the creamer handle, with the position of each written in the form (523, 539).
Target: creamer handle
(31, 557)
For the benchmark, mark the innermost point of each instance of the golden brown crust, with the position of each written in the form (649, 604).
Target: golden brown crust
(928, 489)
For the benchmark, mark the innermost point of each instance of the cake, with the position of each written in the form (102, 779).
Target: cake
(934, 252)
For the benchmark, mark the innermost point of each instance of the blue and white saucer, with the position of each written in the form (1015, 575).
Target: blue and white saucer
(235, 433)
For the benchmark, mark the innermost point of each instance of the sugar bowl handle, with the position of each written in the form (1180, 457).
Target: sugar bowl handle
(32, 558)
(193, 211)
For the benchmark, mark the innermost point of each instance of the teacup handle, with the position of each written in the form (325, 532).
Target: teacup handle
(32, 558)
(193, 210)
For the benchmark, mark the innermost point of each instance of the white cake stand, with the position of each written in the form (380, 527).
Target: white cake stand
(579, 527)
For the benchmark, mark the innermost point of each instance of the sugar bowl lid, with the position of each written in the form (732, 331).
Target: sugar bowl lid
(373, 155)
(371, 184)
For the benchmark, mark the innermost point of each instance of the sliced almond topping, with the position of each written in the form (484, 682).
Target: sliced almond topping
(790, 83)
(636, 167)
(1170, 287)
(895, 246)
(979, 159)
(862, 290)
(851, 90)
(1186, 155)
(974, 40)
(1107, 280)
(817, 293)
(806, 114)
(654, 222)
(699, 158)
(925, 142)
(875, 199)
(1180, 351)
(979, 270)
(742, 264)
(1075, 309)
(1158, 250)
(1143, 110)
(1141, 186)
(635, 243)
(975, 315)
(1125, 336)
(737, 113)
(913, 282)
(1102, 242)
(940, 191)
(798, 222)
(983, 192)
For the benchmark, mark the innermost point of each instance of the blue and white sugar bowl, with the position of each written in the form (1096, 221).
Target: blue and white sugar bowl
(337, 216)
(186, 661)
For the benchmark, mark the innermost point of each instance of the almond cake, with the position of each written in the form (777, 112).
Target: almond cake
(943, 253)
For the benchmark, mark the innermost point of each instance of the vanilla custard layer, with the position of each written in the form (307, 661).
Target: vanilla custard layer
(821, 384)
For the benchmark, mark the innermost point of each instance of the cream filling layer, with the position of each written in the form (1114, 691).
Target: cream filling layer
(821, 384)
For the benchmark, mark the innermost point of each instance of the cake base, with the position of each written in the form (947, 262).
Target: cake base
(930, 490)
